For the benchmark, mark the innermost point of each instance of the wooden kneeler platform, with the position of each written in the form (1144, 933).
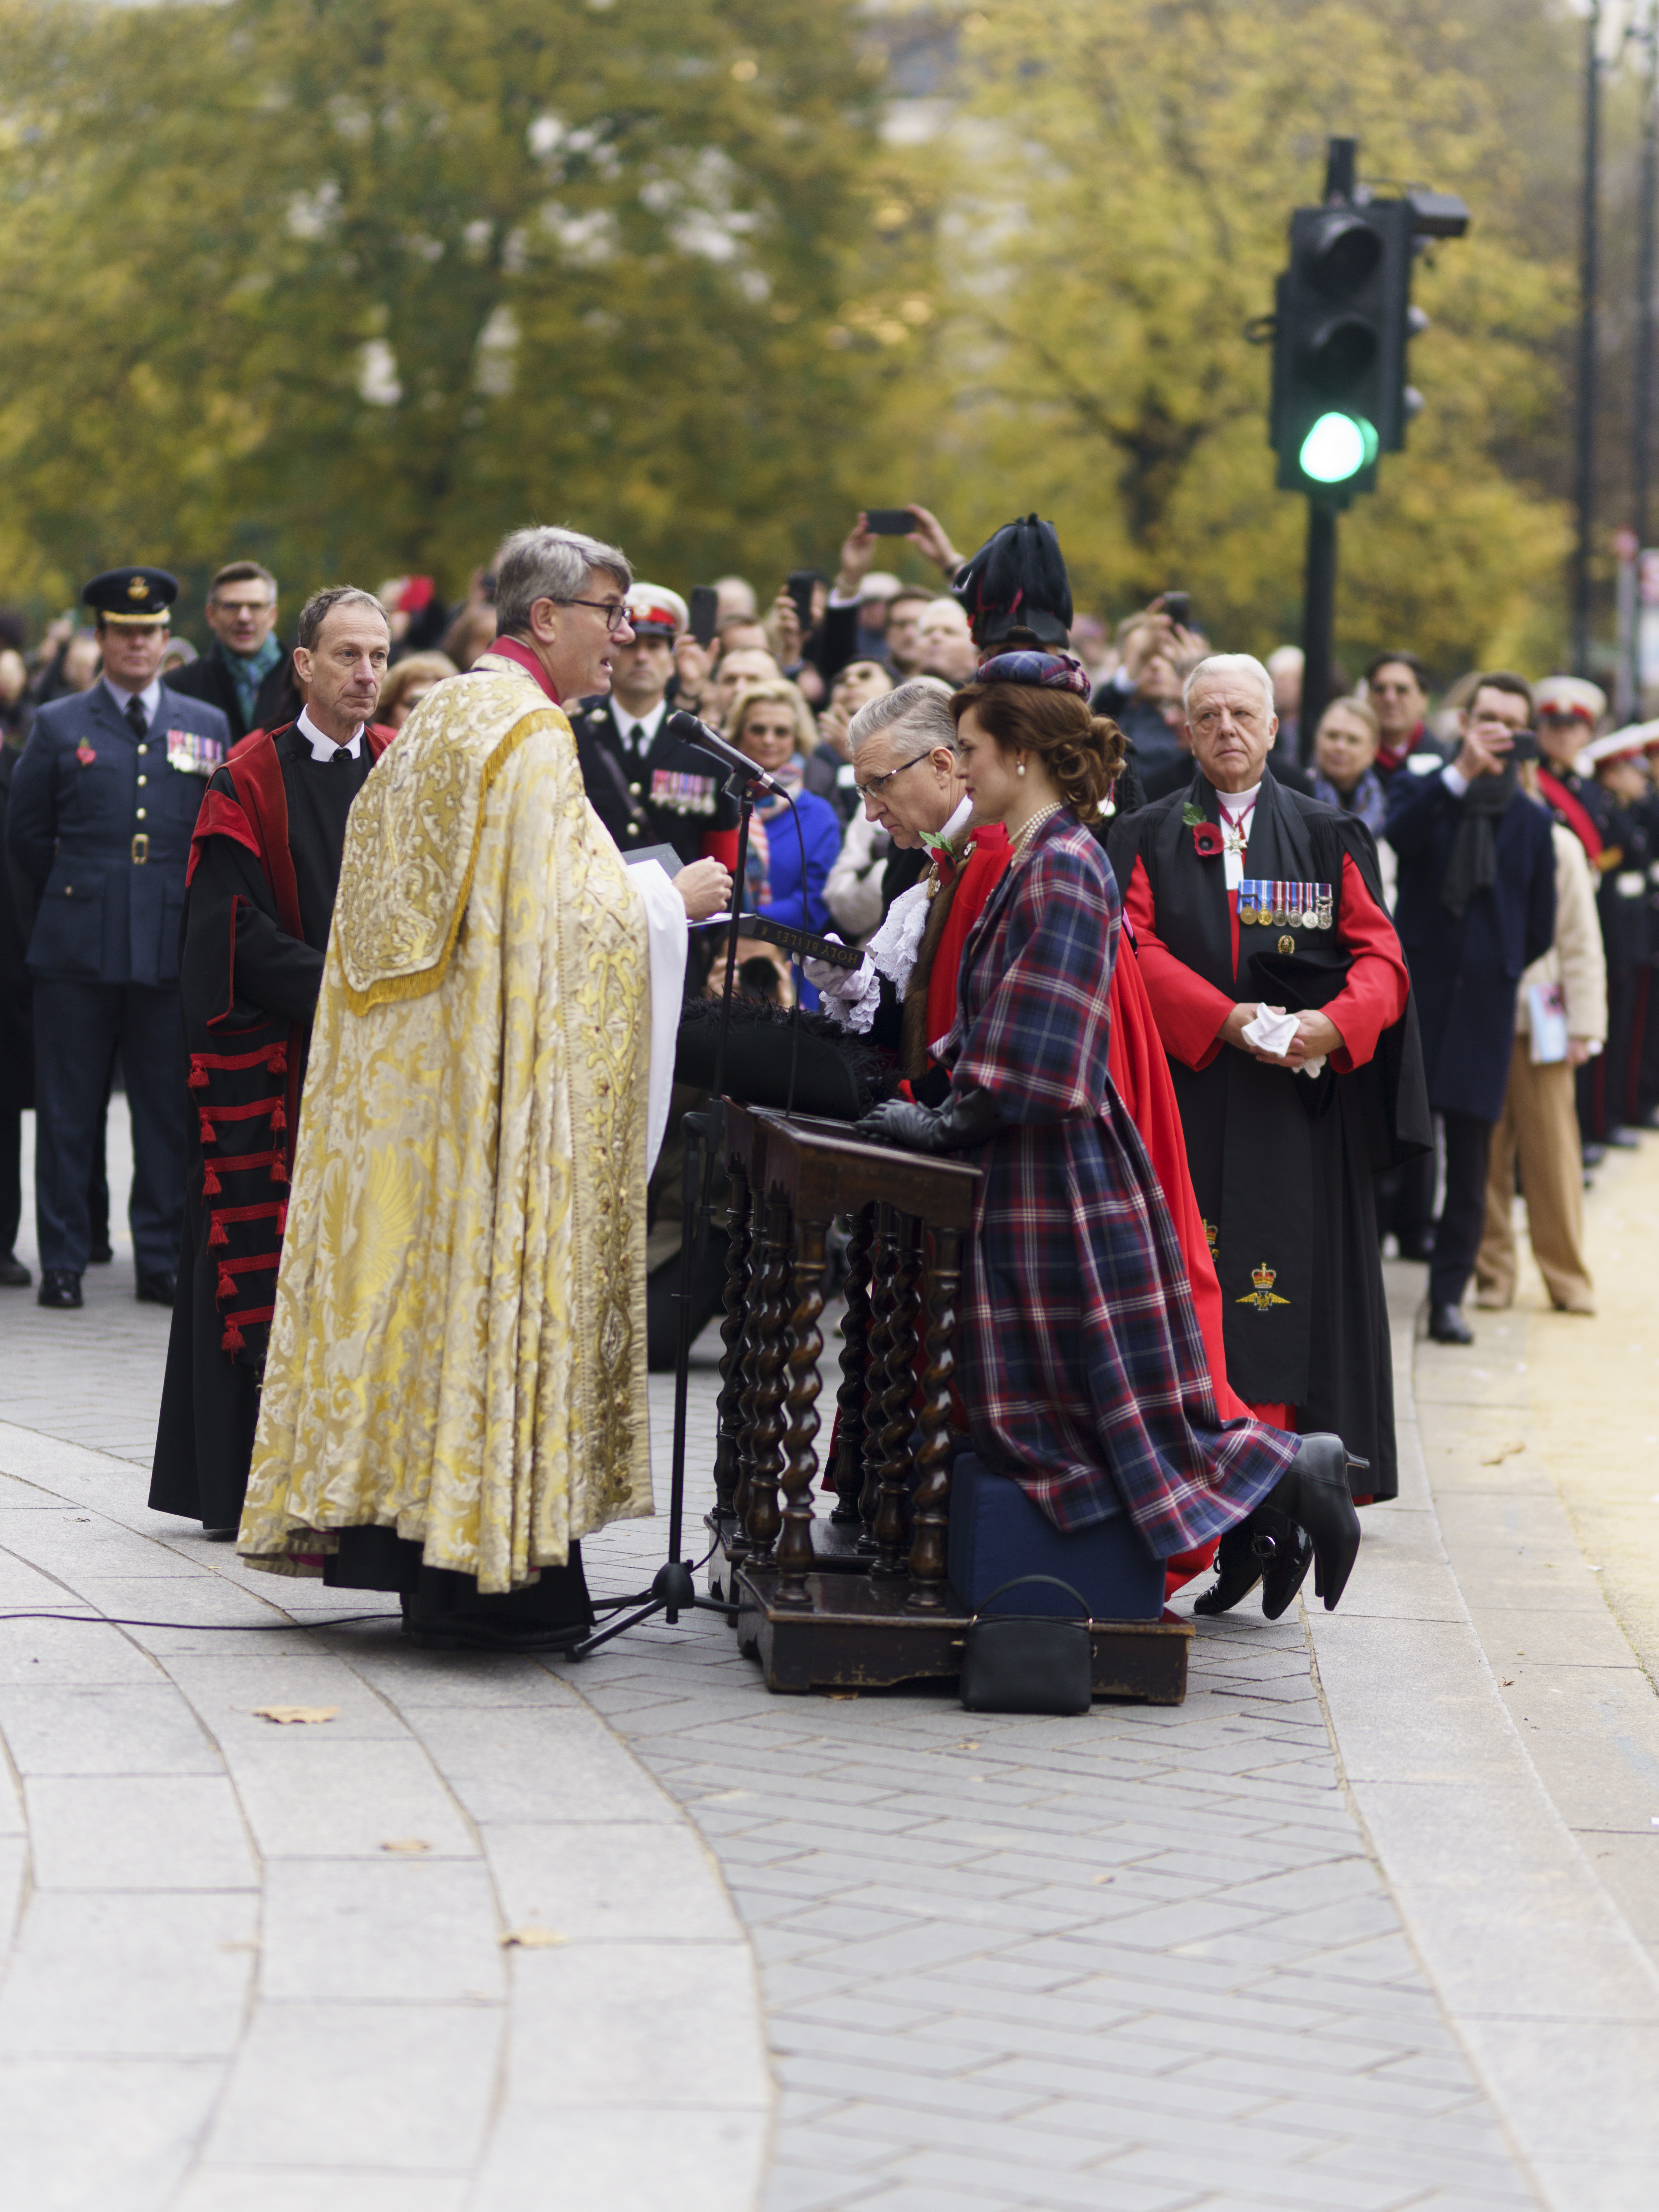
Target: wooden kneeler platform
(856, 1602)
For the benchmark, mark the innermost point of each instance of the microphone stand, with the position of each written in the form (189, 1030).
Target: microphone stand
(674, 1589)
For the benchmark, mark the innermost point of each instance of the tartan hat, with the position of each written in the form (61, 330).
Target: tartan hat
(132, 595)
(1016, 581)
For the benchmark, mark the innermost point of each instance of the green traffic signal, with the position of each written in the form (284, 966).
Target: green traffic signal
(1337, 447)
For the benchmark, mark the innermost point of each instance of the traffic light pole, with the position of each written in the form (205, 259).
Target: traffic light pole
(1319, 604)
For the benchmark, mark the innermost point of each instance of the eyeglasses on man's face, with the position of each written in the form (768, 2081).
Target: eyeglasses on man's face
(614, 610)
(878, 784)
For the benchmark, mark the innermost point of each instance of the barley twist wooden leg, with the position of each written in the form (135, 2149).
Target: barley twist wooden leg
(800, 1456)
(928, 1547)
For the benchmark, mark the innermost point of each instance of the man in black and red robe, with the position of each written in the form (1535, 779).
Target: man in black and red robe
(1245, 894)
(265, 866)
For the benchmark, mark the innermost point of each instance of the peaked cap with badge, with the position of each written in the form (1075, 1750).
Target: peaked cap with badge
(132, 596)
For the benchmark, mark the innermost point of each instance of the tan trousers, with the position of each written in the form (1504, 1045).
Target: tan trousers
(1540, 1125)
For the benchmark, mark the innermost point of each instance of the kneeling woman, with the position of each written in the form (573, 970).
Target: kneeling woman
(1082, 1365)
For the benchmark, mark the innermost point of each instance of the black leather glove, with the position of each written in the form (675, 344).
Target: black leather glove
(967, 1117)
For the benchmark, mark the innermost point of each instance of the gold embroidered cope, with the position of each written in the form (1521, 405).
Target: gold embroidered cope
(457, 1350)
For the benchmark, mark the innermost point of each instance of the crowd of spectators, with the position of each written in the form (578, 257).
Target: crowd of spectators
(783, 676)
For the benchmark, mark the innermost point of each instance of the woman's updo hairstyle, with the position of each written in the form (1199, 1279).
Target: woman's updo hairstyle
(1083, 752)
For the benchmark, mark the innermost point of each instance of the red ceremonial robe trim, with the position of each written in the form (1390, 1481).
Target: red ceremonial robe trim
(509, 648)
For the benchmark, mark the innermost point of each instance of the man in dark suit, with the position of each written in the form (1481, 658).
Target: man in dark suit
(648, 788)
(1476, 905)
(103, 804)
(245, 672)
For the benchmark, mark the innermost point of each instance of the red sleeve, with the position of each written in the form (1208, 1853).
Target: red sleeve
(1374, 996)
(720, 845)
(1190, 1012)
(221, 816)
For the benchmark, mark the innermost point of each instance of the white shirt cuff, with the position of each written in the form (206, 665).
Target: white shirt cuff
(1454, 780)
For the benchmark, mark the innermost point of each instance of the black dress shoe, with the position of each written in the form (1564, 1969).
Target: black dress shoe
(220, 1535)
(1623, 1140)
(157, 1290)
(1447, 1326)
(14, 1275)
(58, 1287)
(101, 1253)
(1593, 1154)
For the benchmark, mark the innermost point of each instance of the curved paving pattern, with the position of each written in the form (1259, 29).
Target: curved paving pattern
(261, 1968)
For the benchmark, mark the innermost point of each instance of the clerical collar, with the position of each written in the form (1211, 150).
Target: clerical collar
(509, 648)
(323, 748)
(1237, 803)
(639, 730)
(149, 698)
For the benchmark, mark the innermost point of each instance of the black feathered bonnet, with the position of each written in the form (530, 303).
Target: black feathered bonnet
(1016, 587)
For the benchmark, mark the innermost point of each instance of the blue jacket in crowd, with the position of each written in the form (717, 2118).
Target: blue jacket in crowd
(101, 824)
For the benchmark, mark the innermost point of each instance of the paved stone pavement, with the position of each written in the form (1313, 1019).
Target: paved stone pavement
(1144, 1958)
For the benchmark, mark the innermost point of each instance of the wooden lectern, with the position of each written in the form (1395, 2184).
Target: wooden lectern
(856, 1600)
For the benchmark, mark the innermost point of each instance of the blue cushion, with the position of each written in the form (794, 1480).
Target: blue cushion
(997, 1533)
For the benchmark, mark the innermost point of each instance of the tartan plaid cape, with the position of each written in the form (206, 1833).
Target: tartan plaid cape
(1083, 1368)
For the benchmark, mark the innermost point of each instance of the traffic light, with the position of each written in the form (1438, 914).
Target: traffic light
(1343, 319)
(1339, 345)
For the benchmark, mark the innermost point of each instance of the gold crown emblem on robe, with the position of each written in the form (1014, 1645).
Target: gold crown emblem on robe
(1263, 1297)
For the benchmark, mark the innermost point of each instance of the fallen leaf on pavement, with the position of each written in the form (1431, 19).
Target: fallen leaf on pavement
(284, 1715)
(406, 1844)
(533, 1939)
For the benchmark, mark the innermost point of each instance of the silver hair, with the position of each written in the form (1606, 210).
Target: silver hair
(321, 604)
(1229, 663)
(919, 710)
(543, 563)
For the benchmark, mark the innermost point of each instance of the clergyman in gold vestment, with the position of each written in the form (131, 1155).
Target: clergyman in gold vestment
(455, 1391)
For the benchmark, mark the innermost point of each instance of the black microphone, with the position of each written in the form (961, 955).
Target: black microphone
(692, 731)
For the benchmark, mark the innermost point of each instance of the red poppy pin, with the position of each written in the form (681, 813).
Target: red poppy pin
(1207, 841)
(84, 754)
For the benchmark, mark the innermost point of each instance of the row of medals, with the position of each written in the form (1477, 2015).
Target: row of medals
(1304, 906)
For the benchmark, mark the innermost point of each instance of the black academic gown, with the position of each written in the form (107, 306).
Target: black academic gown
(1284, 1165)
(211, 1400)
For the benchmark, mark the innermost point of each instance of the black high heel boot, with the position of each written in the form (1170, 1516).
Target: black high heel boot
(1314, 1492)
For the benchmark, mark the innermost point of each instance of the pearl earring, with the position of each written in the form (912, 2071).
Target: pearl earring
(1020, 768)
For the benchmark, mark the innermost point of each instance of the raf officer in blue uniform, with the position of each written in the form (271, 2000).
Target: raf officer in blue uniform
(103, 804)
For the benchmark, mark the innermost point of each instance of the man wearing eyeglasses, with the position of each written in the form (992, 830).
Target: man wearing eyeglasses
(245, 672)
(907, 772)
(455, 1391)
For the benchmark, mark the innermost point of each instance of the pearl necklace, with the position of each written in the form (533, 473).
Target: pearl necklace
(1023, 837)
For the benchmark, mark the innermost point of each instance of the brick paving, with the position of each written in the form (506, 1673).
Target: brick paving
(1138, 1961)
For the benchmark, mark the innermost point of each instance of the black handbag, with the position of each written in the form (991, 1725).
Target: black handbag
(1023, 1663)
